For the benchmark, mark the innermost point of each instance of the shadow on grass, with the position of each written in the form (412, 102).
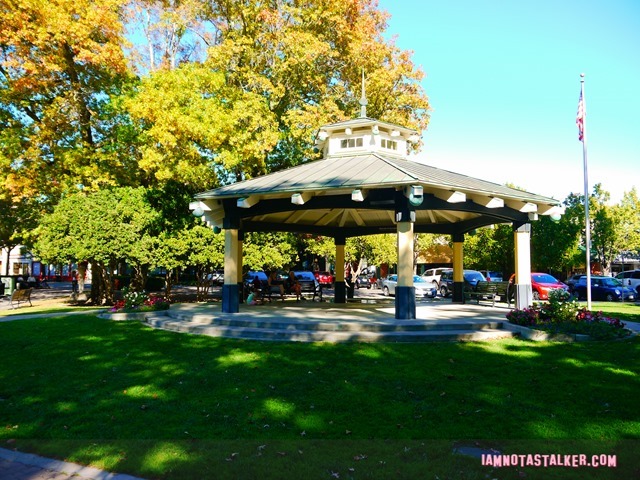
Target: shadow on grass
(157, 404)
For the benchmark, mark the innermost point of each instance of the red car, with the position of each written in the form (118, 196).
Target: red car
(324, 278)
(541, 284)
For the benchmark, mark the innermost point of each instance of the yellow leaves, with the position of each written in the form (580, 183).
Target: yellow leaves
(193, 119)
(38, 30)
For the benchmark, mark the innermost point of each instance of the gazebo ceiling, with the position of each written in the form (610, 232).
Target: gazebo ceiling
(358, 194)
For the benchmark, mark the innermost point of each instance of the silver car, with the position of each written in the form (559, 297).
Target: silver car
(423, 288)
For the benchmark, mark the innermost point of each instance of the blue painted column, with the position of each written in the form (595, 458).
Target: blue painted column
(458, 268)
(522, 241)
(230, 290)
(340, 290)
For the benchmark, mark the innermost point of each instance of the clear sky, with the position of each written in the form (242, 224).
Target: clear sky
(503, 80)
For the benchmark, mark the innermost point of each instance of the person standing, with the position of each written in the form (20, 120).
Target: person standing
(74, 281)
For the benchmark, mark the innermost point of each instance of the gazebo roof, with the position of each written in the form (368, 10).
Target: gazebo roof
(325, 187)
(360, 185)
(371, 170)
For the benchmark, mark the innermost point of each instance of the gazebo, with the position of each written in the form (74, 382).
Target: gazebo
(365, 184)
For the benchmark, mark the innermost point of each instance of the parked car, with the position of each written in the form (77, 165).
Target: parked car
(542, 284)
(630, 279)
(422, 287)
(324, 278)
(216, 278)
(432, 275)
(249, 279)
(364, 281)
(572, 280)
(492, 275)
(471, 279)
(604, 288)
(308, 283)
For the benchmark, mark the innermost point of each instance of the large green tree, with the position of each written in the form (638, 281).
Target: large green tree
(490, 249)
(102, 228)
(628, 214)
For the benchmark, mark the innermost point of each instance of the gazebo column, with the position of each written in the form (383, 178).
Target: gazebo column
(522, 241)
(239, 266)
(405, 291)
(458, 268)
(340, 290)
(232, 251)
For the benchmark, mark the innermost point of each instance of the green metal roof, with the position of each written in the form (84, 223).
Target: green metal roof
(367, 171)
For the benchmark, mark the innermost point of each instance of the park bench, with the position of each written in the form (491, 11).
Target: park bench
(489, 291)
(21, 296)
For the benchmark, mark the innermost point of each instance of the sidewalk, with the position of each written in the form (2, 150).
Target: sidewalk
(26, 466)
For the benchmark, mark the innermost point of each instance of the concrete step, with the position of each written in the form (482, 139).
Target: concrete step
(295, 331)
(333, 326)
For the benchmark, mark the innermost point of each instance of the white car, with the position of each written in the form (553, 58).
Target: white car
(433, 275)
(422, 287)
(631, 279)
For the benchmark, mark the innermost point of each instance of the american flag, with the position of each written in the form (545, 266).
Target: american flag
(580, 119)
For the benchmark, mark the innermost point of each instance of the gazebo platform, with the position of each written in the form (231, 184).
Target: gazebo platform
(437, 320)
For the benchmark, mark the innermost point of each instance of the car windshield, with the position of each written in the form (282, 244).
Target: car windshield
(607, 282)
(419, 279)
(473, 276)
(543, 278)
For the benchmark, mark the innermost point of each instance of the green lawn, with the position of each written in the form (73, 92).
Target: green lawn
(158, 404)
(39, 309)
(627, 312)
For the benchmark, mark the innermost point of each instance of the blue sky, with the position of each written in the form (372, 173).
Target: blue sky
(503, 80)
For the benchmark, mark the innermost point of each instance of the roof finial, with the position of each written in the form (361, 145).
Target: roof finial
(363, 100)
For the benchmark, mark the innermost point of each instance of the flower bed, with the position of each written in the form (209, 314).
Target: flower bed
(135, 302)
(562, 316)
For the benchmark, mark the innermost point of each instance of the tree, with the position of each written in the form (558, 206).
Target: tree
(102, 228)
(197, 130)
(628, 215)
(554, 245)
(320, 246)
(173, 31)
(204, 252)
(17, 218)
(610, 227)
(60, 63)
(490, 249)
(305, 60)
(268, 251)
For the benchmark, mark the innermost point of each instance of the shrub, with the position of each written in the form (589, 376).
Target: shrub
(563, 316)
(139, 302)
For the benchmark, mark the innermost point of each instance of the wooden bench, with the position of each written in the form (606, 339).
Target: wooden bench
(21, 296)
(489, 291)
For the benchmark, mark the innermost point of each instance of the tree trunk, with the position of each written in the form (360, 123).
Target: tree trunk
(168, 283)
(139, 277)
(96, 283)
(82, 273)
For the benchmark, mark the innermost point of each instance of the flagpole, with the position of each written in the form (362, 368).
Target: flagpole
(583, 132)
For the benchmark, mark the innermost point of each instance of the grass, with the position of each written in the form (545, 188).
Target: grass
(627, 312)
(120, 396)
(44, 308)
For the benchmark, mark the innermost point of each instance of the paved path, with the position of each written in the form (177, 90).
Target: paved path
(25, 466)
